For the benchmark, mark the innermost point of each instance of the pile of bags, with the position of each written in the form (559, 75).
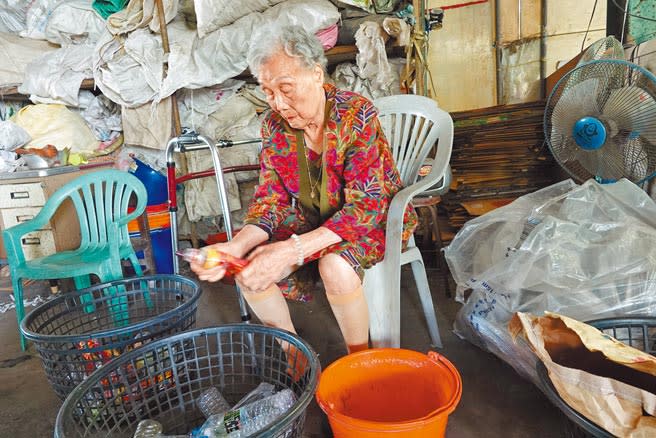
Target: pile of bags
(584, 251)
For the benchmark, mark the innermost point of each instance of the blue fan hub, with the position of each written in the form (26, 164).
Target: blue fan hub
(589, 133)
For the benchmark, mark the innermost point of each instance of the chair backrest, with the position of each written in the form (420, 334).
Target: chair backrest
(100, 198)
(413, 125)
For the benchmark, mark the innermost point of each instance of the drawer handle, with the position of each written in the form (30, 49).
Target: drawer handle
(24, 217)
(20, 195)
(31, 241)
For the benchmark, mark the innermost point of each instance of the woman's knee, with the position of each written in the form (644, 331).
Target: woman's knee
(249, 292)
(338, 275)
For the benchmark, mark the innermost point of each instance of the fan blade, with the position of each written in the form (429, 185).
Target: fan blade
(574, 103)
(573, 159)
(588, 160)
(566, 150)
(633, 110)
(635, 153)
(636, 160)
(611, 160)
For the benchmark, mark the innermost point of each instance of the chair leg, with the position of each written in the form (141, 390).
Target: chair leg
(136, 265)
(144, 284)
(384, 309)
(83, 282)
(17, 284)
(426, 299)
(441, 261)
(119, 303)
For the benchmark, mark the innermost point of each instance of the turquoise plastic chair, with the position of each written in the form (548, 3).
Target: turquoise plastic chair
(101, 200)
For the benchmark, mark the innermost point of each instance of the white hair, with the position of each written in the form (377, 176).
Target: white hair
(293, 40)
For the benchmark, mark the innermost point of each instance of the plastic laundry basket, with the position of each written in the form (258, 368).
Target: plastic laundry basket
(164, 379)
(638, 332)
(79, 331)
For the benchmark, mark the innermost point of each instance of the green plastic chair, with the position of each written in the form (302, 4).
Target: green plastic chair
(101, 200)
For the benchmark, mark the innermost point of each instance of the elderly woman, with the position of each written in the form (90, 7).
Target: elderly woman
(326, 182)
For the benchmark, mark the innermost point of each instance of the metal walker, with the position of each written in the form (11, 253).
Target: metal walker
(189, 142)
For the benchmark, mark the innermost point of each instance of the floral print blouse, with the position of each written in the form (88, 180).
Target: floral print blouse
(361, 175)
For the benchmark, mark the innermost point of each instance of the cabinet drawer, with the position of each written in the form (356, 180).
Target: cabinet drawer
(21, 195)
(38, 244)
(14, 216)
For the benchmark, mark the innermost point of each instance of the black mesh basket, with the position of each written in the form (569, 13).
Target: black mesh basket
(639, 333)
(163, 380)
(79, 331)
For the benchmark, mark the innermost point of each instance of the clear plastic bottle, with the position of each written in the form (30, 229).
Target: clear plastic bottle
(250, 418)
(153, 429)
(148, 429)
(211, 402)
(263, 390)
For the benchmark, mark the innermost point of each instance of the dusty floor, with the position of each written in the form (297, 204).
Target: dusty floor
(496, 402)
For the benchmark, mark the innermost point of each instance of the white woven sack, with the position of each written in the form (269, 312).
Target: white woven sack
(213, 14)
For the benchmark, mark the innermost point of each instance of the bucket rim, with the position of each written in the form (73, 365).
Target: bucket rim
(432, 356)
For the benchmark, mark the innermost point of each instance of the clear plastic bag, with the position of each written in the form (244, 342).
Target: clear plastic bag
(12, 136)
(584, 251)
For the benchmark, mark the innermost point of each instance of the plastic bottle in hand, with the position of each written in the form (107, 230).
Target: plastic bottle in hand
(211, 402)
(209, 257)
(250, 418)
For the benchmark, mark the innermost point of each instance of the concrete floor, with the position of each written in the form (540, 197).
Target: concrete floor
(496, 402)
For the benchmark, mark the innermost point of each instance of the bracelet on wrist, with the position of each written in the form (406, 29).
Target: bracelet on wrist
(299, 250)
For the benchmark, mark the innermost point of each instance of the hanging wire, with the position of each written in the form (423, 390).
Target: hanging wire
(594, 7)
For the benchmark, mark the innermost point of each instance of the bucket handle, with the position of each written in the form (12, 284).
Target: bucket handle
(441, 360)
(436, 357)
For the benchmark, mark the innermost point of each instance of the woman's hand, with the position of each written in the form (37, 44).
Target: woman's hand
(268, 264)
(247, 238)
(217, 272)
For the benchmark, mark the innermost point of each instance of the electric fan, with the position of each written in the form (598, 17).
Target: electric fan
(600, 122)
(605, 48)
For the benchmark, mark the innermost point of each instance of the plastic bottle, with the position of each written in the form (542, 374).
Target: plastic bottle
(210, 257)
(211, 402)
(263, 390)
(153, 429)
(148, 429)
(250, 418)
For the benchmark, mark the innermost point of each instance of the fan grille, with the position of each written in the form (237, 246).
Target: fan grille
(605, 48)
(622, 96)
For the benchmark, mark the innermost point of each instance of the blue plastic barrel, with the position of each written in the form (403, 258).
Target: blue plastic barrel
(154, 181)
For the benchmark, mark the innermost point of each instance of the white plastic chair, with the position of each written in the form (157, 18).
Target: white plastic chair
(413, 125)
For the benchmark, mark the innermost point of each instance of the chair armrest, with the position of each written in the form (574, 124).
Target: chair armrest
(12, 235)
(397, 209)
(443, 187)
(125, 219)
(134, 214)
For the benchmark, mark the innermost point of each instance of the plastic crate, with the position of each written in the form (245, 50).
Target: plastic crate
(639, 333)
(79, 331)
(164, 379)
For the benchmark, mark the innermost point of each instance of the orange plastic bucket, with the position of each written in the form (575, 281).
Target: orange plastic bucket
(389, 391)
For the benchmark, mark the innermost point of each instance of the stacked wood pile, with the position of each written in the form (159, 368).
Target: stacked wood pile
(499, 154)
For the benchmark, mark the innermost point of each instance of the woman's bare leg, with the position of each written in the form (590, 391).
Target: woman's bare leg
(272, 310)
(346, 298)
(270, 307)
